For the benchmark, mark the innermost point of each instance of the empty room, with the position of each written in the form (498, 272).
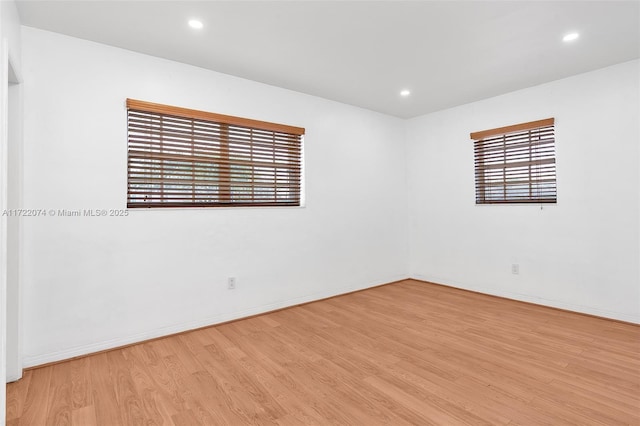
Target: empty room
(320, 213)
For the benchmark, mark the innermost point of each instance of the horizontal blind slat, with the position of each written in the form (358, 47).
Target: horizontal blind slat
(179, 160)
(516, 164)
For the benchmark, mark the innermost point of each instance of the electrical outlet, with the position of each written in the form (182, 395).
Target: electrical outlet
(231, 283)
(515, 268)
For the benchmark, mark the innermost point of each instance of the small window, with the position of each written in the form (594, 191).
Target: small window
(516, 164)
(179, 157)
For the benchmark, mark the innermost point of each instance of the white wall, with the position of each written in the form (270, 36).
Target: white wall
(583, 253)
(14, 246)
(10, 30)
(4, 82)
(10, 58)
(94, 283)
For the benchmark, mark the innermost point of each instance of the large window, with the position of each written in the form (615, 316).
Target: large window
(516, 164)
(179, 157)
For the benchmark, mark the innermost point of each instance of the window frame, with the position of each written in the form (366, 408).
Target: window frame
(209, 160)
(517, 160)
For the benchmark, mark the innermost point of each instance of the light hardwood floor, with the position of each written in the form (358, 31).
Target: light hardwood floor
(406, 353)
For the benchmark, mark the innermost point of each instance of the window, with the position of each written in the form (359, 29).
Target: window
(179, 157)
(516, 164)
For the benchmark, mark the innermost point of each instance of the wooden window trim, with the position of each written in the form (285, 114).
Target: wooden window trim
(531, 125)
(210, 116)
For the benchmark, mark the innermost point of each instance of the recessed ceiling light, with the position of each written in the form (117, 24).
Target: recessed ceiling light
(194, 23)
(570, 37)
(405, 93)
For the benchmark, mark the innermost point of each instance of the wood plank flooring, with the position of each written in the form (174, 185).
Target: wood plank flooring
(408, 353)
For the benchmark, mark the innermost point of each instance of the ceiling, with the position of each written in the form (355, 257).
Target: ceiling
(363, 53)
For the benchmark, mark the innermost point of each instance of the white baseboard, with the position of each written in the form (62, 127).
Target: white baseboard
(81, 350)
(532, 299)
(35, 360)
(14, 377)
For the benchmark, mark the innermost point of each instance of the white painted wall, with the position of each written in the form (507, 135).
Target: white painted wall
(14, 246)
(4, 84)
(582, 254)
(94, 283)
(10, 53)
(10, 30)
